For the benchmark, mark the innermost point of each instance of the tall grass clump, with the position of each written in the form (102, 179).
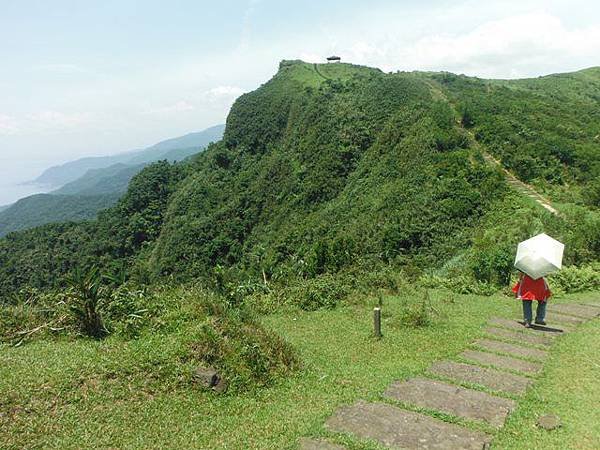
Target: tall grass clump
(234, 342)
(86, 295)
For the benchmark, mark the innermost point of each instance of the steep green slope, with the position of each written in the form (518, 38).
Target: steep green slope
(315, 173)
(327, 168)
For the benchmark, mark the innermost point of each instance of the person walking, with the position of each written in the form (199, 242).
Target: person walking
(527, 289)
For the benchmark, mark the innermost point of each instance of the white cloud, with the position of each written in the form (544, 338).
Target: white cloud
(223, 94)
(225, 91)
(8, 125)
(521, 45)
(178, 107)
(56, 121)
(43, 122)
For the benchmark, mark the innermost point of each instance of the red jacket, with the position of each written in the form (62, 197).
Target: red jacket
(529, 289)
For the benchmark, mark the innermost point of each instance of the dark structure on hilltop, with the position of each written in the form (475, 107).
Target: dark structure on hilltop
(334, 59)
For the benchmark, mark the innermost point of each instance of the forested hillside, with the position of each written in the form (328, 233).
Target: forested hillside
(331, 168)
(546, 130)
(43, 208)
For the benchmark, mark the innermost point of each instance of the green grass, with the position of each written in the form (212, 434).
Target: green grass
(131, 394)
(569, 387)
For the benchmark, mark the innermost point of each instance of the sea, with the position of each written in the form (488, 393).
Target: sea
(15, 182)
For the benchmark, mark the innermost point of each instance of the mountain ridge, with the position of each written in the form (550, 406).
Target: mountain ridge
(347, 169)
(60, 175)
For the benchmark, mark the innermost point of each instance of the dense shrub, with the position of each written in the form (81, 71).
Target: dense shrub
(244, 352)
(461, 284)
(85, 297)
(575, 279)
(321, 292)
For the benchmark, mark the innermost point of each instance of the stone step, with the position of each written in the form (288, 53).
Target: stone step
(452, 399)
(584, 311)
(490, 378)
(511, 349)
(399, 429)
(318, 444)
(519, 336)
(502, 362)
(562, 319)
(517, 325)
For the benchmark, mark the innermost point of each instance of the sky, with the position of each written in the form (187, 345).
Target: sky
(82, 78)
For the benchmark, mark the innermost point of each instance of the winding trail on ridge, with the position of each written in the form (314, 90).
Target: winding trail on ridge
(512, 180)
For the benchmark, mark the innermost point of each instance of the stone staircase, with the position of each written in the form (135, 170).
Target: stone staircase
(483, 387)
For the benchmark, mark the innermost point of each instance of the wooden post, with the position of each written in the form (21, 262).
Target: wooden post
(377, 322)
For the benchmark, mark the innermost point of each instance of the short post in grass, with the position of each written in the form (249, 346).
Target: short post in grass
(377, 322)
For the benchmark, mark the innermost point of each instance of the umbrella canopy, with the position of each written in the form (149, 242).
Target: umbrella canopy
(539, 256)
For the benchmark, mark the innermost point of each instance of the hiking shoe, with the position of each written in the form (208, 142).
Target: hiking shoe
(540, 322)
(527, 324)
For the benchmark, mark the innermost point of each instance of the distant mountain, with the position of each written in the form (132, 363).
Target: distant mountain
(172, 149)
(112, 179)
(96, 188)
(46, 208)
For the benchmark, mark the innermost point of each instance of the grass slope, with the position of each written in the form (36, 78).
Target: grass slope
(126, 394)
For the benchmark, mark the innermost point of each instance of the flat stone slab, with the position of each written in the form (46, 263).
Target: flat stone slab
(517, 325)
(563, 319)
(490, 378)
(511, 349)
(585, 311)
(520, 336)
(452, 399)
(549, 422)
(399, 429)
(502, 362)
(318, 444)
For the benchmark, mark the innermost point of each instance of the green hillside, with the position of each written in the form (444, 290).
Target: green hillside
(113, 179)
(546, 130)
(335, 188)
(42, 208)
(331, 167)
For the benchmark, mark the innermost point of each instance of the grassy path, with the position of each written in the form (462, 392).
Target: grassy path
(481, 390)
(121, 394)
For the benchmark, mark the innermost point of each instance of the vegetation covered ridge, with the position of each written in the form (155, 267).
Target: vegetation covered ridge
(329, 172)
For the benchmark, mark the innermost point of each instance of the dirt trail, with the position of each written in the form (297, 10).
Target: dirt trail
(511, 179)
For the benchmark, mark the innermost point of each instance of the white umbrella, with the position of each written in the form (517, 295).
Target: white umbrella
(539, 256)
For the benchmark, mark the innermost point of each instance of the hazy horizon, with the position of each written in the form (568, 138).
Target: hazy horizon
(96, 79)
